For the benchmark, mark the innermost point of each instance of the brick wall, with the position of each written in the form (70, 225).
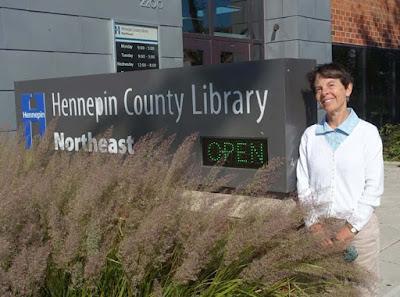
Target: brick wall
(366, 22)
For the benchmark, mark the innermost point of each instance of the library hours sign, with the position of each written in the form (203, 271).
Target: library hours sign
(136, 47)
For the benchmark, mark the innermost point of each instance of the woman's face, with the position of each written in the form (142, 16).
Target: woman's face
(331, 94)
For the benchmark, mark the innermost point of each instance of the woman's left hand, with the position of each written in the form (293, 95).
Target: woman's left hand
(344, 236)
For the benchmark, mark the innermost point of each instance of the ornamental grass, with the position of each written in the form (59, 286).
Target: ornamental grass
(390, 134)
(87, 224)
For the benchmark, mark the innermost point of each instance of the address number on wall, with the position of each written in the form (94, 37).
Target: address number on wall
(155, 4)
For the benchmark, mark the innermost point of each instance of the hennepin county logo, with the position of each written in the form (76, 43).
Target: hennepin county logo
(33, 111)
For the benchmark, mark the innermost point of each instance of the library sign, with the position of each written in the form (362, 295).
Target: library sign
(136, 47)
(245, 113)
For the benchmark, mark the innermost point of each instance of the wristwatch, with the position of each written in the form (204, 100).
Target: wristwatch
(351, 228)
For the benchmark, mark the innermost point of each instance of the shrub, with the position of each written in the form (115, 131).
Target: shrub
(79, 224)
(391, 142)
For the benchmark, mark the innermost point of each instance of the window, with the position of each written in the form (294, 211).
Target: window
(192, 57)
(227, 18)
(195, 16)
(351, 58)
(231, 18)
(381, 86)
(376, 74)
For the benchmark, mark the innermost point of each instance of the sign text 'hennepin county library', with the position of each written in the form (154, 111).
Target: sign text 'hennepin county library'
(205, 100)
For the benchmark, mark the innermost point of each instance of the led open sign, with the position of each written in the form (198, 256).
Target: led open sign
(234, 152)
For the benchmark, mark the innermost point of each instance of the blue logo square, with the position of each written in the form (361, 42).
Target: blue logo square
(33, 111)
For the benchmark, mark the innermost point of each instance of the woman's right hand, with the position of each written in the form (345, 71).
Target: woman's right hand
(320, 231)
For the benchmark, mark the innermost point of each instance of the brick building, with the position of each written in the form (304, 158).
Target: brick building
(366, 23)
(366, 38)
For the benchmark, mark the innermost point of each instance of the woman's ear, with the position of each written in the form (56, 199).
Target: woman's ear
(349, 89)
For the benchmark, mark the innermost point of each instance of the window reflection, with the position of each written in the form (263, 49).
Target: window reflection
(232, 57)
(192, 57)
(240, 23)
(230, 18)
(381, 86)
(195, 16)
(376, 96)
(257, 52)
(351, 59)
(256, 29)
(226, 57)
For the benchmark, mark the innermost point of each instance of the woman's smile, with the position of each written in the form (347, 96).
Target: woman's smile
(332, 94)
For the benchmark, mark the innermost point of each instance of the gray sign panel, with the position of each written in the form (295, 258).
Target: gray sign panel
(247, 113)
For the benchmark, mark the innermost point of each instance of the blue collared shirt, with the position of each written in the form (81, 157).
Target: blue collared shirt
(336, 136)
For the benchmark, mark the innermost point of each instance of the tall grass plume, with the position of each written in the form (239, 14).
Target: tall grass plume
(81, 224)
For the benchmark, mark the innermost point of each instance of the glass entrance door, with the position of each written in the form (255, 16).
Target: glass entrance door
(198, 51)
(222, 31)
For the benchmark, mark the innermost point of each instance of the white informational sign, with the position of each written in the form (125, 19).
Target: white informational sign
(129, 33)
(136, 47)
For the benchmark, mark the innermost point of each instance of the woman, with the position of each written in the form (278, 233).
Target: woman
(340, 170)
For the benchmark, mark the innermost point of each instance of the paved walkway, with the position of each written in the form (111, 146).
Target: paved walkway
(389, 218)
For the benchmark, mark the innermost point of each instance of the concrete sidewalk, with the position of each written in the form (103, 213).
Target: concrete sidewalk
(389, 219)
